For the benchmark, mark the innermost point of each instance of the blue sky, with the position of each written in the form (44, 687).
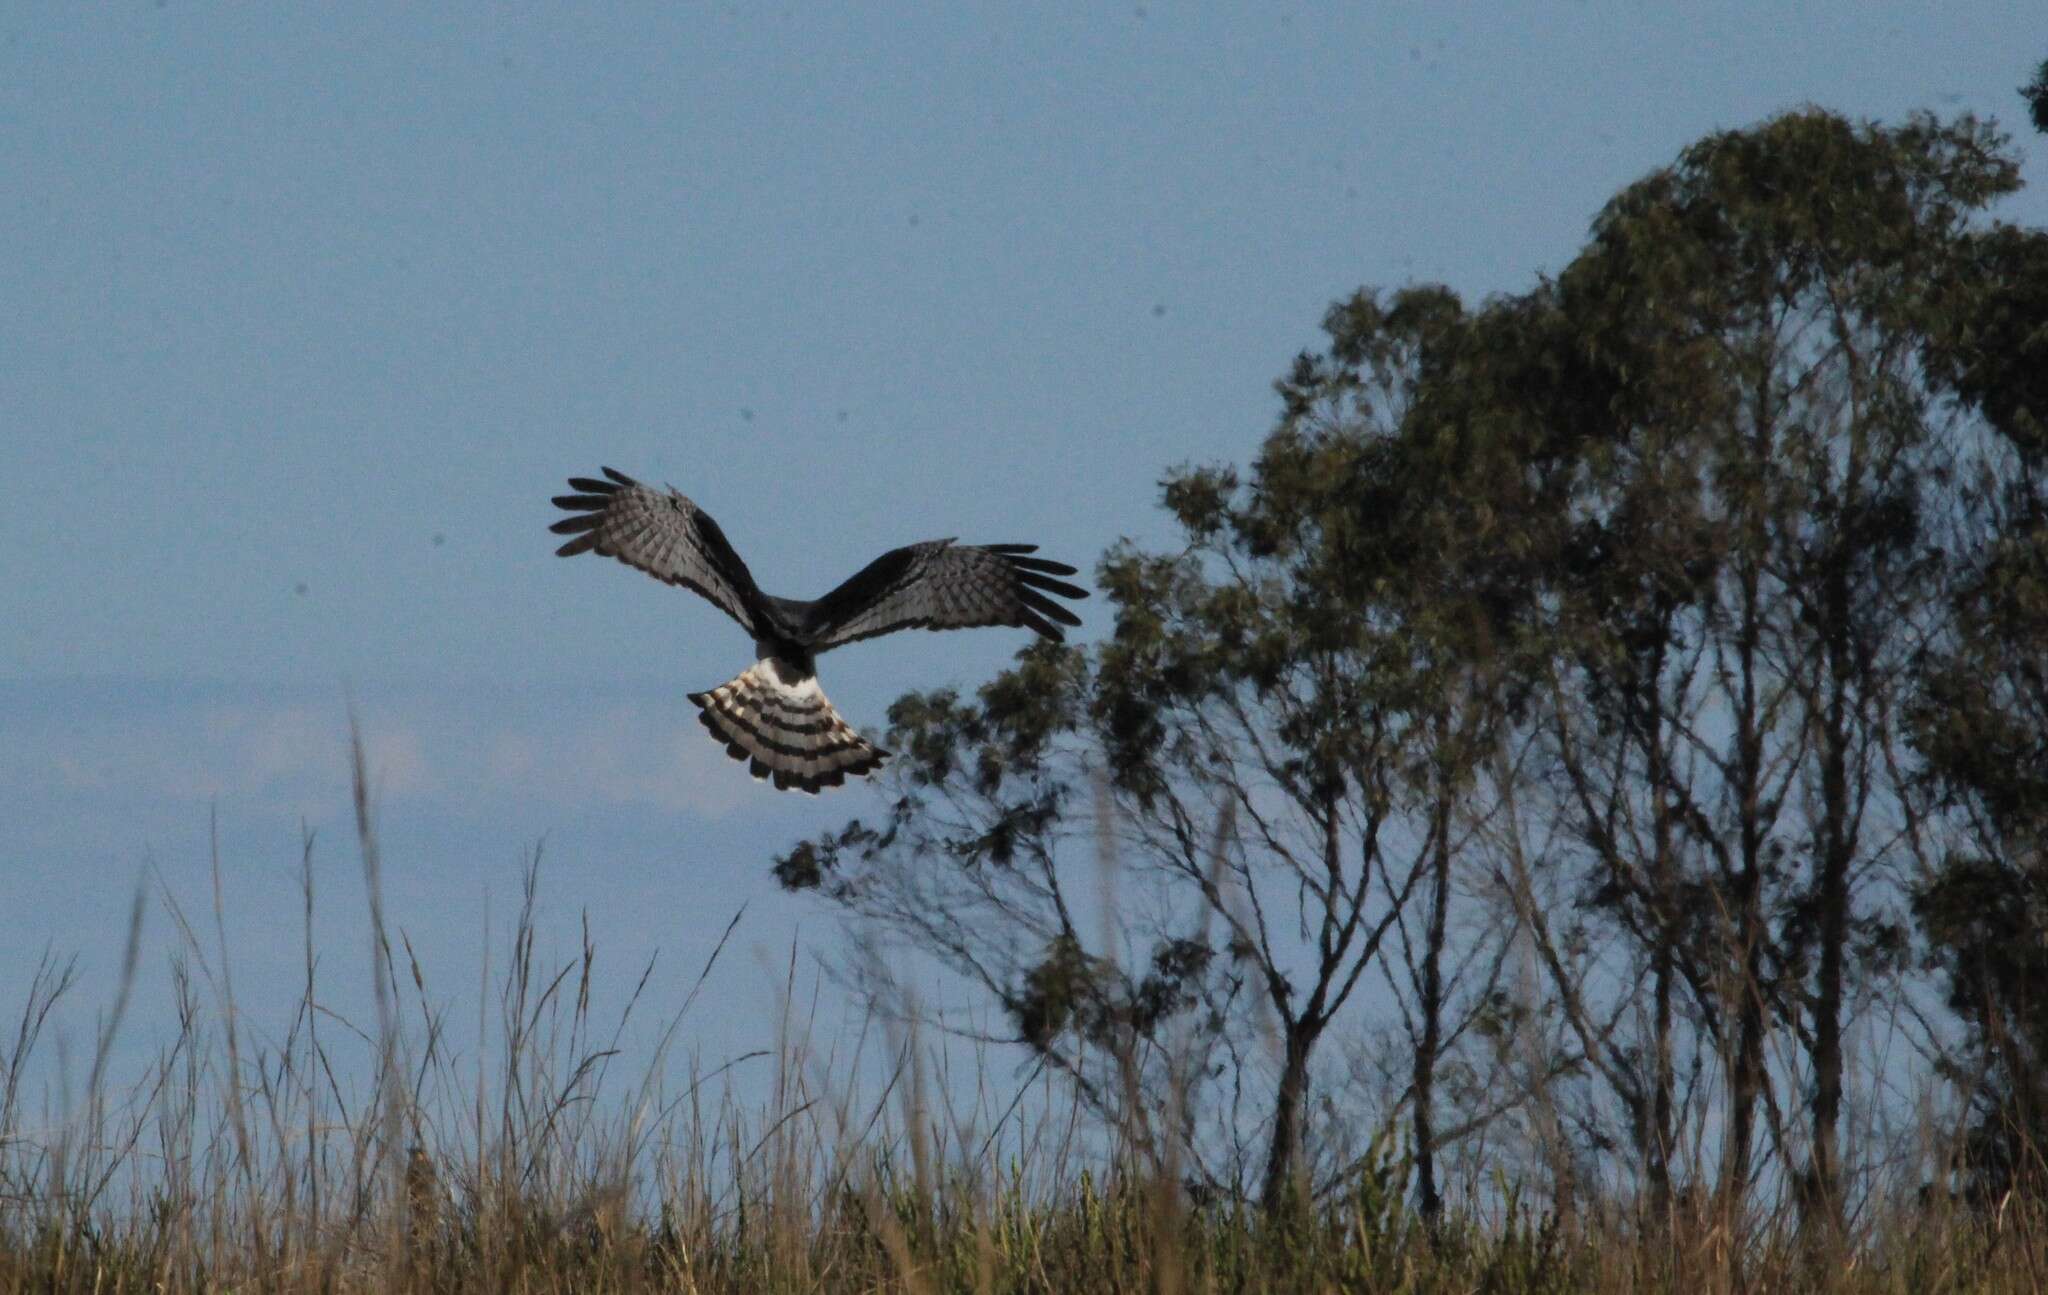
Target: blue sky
(305, 311)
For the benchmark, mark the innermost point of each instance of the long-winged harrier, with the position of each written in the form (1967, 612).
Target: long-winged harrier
(774, 716)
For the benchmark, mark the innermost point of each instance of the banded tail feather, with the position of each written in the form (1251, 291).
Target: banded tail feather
(776, 719)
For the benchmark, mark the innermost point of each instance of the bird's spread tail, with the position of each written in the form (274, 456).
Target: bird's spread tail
(779, 721)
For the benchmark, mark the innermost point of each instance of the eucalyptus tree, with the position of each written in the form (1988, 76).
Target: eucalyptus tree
(1266, 748)
(1438, 545)
(1980, 720)
(1981, 726)
(1761, 552)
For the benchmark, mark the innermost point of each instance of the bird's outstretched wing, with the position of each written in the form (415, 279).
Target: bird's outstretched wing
(938, 585)
(662, 533)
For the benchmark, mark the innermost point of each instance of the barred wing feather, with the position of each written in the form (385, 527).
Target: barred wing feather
(940, 585)
(662, 533)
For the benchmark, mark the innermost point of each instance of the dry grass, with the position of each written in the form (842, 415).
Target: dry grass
(231, 1167)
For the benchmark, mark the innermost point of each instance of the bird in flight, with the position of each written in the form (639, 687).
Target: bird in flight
(773, 715)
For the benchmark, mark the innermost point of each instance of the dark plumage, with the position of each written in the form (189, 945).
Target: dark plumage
(774, 715)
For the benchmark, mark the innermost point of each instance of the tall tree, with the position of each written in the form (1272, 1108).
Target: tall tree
(1764, 550)
(1982, 727)
(1278, 725)
(1980, 722)
(1448, 540)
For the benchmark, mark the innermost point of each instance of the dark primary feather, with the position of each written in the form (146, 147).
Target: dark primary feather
(661, 533)
(940, 585)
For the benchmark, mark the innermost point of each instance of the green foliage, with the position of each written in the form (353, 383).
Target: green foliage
(1981, 726)
(1993, 348)
(1064, 982)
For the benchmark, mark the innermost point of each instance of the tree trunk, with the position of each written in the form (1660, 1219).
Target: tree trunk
(1283, 1154)
(1823, 1202)
(1746, 1067)
(1746, 1070)
(1657, 1139)
(1428, 1199)
(1664, 894)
